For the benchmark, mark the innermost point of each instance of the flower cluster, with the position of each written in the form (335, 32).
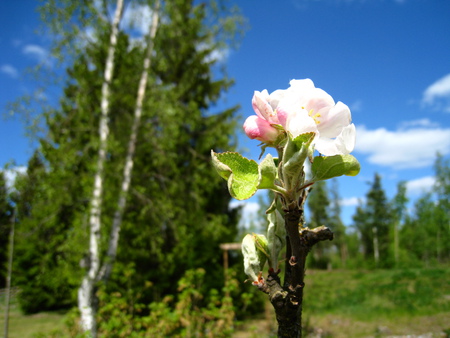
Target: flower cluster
(300, 109)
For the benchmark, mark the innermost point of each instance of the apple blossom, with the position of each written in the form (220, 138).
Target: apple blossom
(306, 109)
(265, 105)
(258, 128)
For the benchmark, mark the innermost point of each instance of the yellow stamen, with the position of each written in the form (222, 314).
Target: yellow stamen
(315, 117)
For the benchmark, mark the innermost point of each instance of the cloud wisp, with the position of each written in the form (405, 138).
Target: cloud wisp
(9, 70)
(437, 95)
(350, 201)
(38, 53)
(420, 186)
(11, 174)
(35, 51)
(138, 18)
(414, 147)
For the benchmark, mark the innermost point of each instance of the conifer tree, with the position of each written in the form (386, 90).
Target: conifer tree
(336, 224)
(399, 204)
(442, 211)
(319, 203)
(176, 204)
(373, 219)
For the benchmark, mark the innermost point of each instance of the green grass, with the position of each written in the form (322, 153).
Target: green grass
(22, 326)
(339, 303)
(364, 295)
(376, 303)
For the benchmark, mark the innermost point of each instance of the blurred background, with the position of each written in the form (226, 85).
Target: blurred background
(385, 273)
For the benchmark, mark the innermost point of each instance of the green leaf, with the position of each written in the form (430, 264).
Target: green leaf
(268, 171)
(254, 250)
(241, 173)
(261, 245)
(304, 139)
(294, 155)
(276, 237)
(324, 168)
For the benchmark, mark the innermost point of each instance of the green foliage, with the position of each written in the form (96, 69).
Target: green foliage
(195, 311)
(6, 211)
(177, 211)
(425, 235)
(418, 237)
(374, 220)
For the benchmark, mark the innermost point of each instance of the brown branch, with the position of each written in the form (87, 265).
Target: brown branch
(287, 300)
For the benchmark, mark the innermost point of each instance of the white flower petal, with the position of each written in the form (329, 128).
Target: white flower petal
(334, 120)
(326, 146)
(299, 122)
(262, 107)
(276, 97)
(302, 85)
(345, 142)
(316, 100)
(342, 145)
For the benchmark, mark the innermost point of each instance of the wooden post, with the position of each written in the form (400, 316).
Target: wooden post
(8, 277)
(225, 247)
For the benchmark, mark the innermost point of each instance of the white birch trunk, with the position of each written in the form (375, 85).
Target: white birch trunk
(86, 292)
(129, 161)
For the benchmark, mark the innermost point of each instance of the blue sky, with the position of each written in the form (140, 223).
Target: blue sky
(388, 60)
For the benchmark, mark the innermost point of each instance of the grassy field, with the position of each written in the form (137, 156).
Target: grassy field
(21, 326)
(384, 303)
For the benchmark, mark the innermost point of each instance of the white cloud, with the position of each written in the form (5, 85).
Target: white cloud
(218, 55)
(249, 212)
(9, 70)
(37, 52)
(403, 148)
(249, 209)
(11, 174)
(437, 95)
(356, 106)
(137, 17)
(427, 123)
(420, 185)
(349, 202)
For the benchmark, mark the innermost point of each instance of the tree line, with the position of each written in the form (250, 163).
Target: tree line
(385, 233)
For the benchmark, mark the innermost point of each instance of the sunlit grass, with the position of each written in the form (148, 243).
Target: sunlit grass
(22, 326)
(377, 303)
(337, 303)
(364, 295)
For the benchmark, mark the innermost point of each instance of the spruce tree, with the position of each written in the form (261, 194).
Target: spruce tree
(336, 224)
(442, 208)
(374, 220)
(318, 204)
(177, 212)
(399, 213)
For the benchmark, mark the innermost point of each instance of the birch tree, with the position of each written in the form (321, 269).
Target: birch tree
(86, 293)
(129, 160)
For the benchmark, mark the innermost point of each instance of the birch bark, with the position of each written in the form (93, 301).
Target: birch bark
(129, 161)
(86, 292)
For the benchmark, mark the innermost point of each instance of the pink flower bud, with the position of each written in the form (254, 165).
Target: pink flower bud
(262, 107)
(258, 128)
